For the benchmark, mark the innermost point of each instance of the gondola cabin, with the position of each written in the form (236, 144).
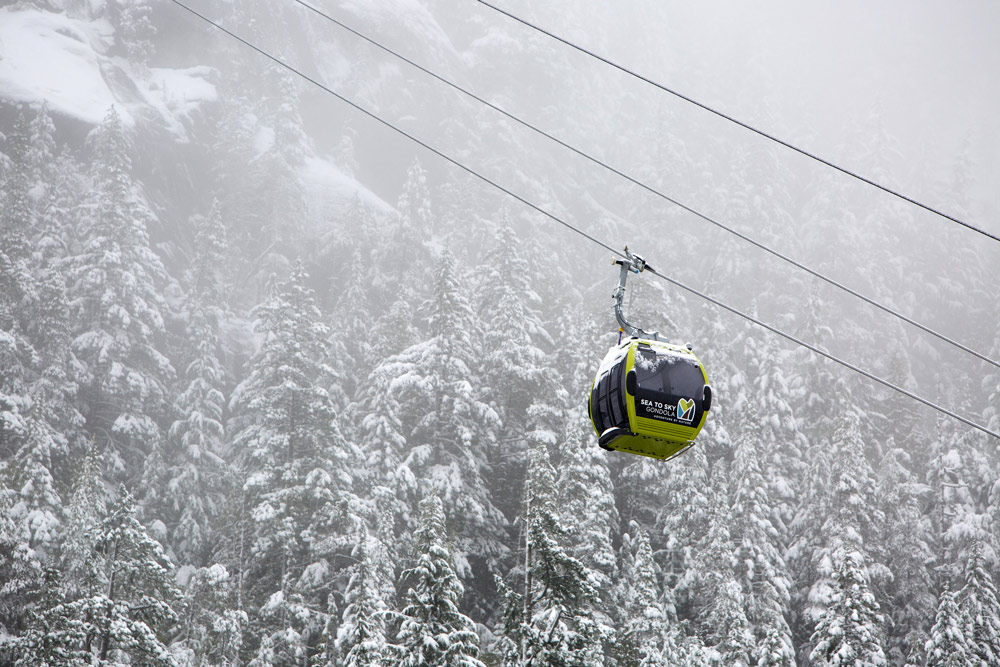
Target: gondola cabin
(649, 398)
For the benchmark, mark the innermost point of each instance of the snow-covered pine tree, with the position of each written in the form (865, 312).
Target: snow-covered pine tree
(683, 519)
(21, 577)
(86, 508)
(124, 605)
(35, 422)
(720, 600)
(552, 621)
(730, 631)
(64, 190)
(362, 637)
(849, 632)
(353, 325)
(981, 609)
(813, 384)
(848, 514)
(404, 248)
(134, 31)
(209, 630)
(782, 443)
(138, 587)
(17, 214)
(37, 506)
(948, 645)
(16, 291)
(645, 638)
(116, 306)
(902, 419)
(279, 198)
(433, 632)
(298, 468)
(587, 501)
(960, 475)
(41, 155)
(506, 302)
(381, 436)
(449, 428)
(905, 544)
(187, 477)
(760, 567)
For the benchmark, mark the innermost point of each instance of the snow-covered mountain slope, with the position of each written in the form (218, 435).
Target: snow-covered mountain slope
(66, 63)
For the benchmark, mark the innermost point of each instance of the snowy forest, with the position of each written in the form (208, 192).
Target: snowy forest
(280, 386)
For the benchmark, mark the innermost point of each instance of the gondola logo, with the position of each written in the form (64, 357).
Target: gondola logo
(685, 410)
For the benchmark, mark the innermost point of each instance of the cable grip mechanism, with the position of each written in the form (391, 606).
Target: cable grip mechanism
(634, 264)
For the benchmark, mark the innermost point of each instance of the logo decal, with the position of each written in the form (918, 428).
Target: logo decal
(685, 409)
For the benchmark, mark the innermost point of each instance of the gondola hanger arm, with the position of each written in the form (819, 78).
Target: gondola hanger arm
(635, 264)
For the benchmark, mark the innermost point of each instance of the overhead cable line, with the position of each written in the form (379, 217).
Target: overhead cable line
(649, 188)
(575, 229)
(738, 122)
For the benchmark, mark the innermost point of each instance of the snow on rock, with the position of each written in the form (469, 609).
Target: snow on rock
(177, 93)
(45, 56)
(329, 191)
(63, 61)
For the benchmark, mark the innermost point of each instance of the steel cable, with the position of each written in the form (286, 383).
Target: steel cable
(738, 122)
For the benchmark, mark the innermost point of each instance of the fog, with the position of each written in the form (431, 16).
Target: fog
(318, 373)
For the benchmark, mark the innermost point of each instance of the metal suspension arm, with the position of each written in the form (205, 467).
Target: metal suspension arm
(635, 264)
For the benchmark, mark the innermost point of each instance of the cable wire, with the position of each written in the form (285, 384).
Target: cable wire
(651, 189)
(575, 229)
(738, 122)
(825, 354)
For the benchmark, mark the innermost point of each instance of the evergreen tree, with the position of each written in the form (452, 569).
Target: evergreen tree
(587, 498)
(433, 632)
(552, 621)
(904, 544)
(38, 506)
(299, 470)
(362, 636)
(381, 435)
(588, 502)
(980, 607)
(17, 216)
(731, 631)
(16, 291)
(948, 645)
(30, 365)
(128, 605)
(780, 437)
(86, 508)
(849, 512)
(21, 578)
(41, 155)
(506, 301)
(186, 477)
(209, 630)
(114, 278)
(404, 247)
(448, 427)
(353, 325)
(683, 519)
(849, 629)
(960, 475)
(760, 567)
(721, 601)
(643, 639)
(133, 29)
